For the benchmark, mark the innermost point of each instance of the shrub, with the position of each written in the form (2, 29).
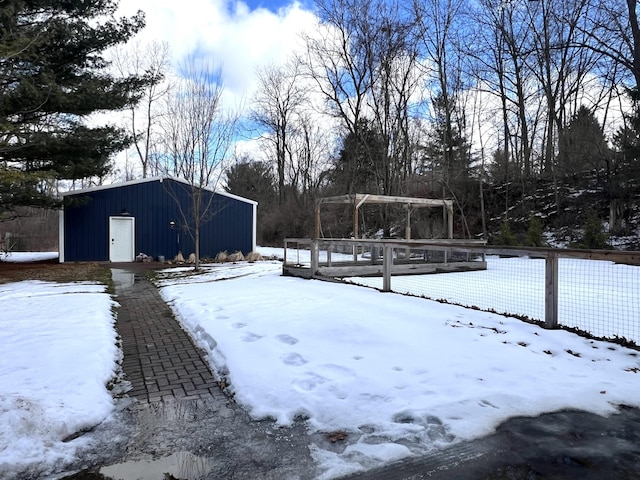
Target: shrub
(594, 235)
(235, 257)
(534, 236)
(506, 237)
(253, 257)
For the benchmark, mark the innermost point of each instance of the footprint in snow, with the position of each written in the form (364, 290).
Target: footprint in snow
(294, 360)
(251, 337)
(309, 383)
(239, 325)
(288, 339)
(486, 403)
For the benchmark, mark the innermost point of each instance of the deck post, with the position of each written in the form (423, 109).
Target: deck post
(387, 261)
(551, 291)
(314, 257)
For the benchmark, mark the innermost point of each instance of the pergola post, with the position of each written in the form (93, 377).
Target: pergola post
(450, 219)
(318, 202)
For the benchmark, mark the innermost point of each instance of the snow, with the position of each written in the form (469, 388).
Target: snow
(14, 257)
(58, 353)
(598, 297)
(399, 375)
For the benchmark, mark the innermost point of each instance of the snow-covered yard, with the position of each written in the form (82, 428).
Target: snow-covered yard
(400, 375)
(403, 375)
(59, 351)
(598, 297)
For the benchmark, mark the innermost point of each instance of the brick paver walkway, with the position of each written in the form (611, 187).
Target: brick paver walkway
(160, 359)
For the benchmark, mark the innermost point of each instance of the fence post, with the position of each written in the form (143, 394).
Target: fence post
(551, 291)
(314, 257)
(285, 253)
(387, 261)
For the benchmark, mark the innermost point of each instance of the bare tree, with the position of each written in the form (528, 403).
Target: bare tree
(199, 134)
(613, 30)
(500, 49)
(396, 93)
(364, 66)
(151, 61)
(276, 108)
(338, 61)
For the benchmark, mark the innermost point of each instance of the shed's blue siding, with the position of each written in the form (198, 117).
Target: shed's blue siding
(152, 204)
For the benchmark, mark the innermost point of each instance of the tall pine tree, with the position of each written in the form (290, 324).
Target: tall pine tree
(52, 76)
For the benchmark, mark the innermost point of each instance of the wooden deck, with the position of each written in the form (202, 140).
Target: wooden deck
(362, 270)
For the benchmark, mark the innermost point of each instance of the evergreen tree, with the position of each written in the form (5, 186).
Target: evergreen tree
(359, 162)
(534, 236)
(506, 237)
(594, 235)
(253, 180)
(447, 150)
(583, 145)
(52, 76)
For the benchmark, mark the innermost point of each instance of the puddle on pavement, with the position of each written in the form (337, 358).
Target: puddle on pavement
(180, 465)
(122, 278)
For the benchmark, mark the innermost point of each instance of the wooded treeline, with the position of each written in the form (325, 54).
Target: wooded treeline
(446, 99)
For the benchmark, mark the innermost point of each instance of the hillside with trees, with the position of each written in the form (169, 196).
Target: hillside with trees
(524, 113)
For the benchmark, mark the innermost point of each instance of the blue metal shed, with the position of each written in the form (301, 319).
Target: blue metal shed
(120, 221)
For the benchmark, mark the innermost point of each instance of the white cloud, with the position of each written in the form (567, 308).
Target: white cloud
(234, 36)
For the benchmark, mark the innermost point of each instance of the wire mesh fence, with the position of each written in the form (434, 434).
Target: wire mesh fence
(594, 292)
(508, 286)
(600, 297)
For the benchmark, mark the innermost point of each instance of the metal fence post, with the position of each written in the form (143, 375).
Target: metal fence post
(551, 291)
(387, 261)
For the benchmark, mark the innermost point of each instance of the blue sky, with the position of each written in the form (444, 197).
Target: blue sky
(274, 5)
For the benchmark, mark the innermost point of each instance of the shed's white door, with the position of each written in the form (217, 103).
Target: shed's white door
(121, 239)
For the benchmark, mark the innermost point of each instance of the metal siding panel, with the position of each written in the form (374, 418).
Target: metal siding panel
(230, 229)
(86, 230)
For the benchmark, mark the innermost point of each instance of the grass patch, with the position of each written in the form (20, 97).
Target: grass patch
(55, 272)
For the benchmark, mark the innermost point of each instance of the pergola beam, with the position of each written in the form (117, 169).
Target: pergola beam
(359, 199)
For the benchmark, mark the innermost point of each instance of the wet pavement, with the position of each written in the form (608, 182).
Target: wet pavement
(177, 422)
(561, 445)
(160, 360)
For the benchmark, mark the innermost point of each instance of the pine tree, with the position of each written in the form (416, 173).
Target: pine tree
(253, 180)
(506, 237)
(583, 146)
(594, 236)
(535, 232)
(52, 76)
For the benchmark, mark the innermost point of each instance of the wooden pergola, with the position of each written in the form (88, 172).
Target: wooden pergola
(359, 199)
